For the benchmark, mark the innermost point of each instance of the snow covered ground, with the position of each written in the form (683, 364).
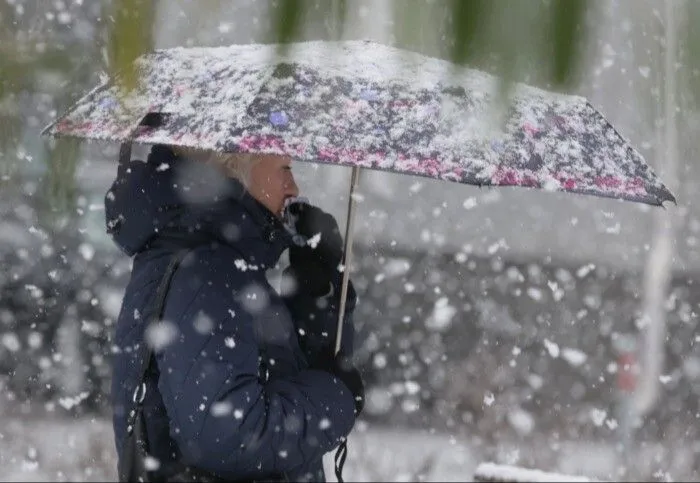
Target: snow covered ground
(55, 449)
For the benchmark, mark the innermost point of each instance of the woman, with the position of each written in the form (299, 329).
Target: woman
(245, 384)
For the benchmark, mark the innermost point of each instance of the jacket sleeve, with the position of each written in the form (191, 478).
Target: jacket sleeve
(316, 318)
(227, 420)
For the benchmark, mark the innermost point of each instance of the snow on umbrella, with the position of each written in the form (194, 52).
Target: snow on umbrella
(361, 104)
(366, 105)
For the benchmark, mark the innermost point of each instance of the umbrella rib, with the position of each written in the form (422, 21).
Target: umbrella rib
(347, 255)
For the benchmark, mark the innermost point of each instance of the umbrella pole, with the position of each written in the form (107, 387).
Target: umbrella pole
(347, 255)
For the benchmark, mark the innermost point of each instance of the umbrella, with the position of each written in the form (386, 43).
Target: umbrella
(366, 105)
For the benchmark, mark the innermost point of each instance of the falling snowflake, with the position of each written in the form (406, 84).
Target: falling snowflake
(535, 294)
(11, 342)
(151, 463)
(86, 251)
(412, 387)
(552, 348)
(442, 315)
(161, 334)
(243, 266)
(410, 406)
(71, 402)
(225, 27)
(584, 270)
(203, 324)
(469, 203)
(380, 361)
(34, 291)
(573, 356)
(557, 293)
(522, 421)
(598, 416)
(222, 408)
(314, 240)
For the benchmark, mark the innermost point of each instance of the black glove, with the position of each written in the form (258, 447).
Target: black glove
(348, 374)
(314, 267)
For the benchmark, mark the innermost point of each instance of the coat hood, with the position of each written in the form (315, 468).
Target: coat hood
(176, 200)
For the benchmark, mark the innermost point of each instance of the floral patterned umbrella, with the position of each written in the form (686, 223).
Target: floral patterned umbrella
(362, 104)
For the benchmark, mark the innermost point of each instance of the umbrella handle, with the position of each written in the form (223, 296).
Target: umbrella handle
(347, 255)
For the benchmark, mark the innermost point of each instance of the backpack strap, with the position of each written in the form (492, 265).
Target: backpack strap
(158, 305)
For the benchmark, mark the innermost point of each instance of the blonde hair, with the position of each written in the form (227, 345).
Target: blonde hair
(234, 165)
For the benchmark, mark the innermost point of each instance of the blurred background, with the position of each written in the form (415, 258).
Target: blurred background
(539, 329)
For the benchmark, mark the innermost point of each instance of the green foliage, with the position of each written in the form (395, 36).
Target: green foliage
(566, 38)
(59, 184)
(691, 42)
(339, 10)
(528, 38)
(288, 20)
(10, 130)
(468, 16)
(13, 73)
(130, 36)
(291, 16)
(537, 39)
(408, 28)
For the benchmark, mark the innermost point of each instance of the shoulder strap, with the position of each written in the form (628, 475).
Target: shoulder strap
(158, 305)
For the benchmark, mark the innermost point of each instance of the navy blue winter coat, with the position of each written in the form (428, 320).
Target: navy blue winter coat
(235, 394)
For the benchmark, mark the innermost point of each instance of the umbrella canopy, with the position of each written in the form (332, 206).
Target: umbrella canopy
(366, 105)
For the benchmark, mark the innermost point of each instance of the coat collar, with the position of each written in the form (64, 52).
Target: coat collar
(238, 220)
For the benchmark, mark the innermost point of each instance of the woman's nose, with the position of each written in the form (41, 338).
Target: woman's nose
(291, 188)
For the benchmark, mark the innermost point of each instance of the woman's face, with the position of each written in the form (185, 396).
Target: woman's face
(271, 181)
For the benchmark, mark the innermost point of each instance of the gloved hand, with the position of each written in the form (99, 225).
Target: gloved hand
(312, 283)
(315, 264)
(343, 369)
